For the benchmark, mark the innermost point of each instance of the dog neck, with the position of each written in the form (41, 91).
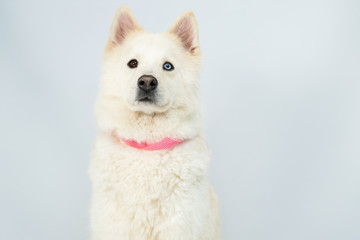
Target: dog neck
(140, 127)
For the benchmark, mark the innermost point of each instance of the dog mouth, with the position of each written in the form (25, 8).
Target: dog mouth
(148, 103)
(146, 99)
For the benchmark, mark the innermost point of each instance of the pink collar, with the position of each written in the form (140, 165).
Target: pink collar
(163, 144)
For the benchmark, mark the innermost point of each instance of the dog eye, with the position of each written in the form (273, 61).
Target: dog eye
(133, 63)
(168, 66)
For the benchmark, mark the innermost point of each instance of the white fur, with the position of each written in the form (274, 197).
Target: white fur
(151, 195)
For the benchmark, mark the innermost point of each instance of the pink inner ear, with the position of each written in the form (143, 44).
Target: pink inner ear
(184, 30)
(125, 24)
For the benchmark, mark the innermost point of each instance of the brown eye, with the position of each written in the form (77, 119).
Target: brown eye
(133, 63)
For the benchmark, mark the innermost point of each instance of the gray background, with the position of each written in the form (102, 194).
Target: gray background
(281, 93)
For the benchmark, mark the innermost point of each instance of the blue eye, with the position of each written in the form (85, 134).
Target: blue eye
(168, 66)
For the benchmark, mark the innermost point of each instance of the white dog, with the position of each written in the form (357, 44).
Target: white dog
(150, 162)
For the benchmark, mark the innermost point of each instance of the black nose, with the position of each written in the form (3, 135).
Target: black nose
(147, 83)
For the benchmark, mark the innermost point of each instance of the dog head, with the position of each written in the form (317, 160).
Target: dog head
(147, 74)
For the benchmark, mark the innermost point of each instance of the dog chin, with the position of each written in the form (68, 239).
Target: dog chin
(148, 107)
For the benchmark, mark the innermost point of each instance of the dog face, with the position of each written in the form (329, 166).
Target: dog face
(151, 73)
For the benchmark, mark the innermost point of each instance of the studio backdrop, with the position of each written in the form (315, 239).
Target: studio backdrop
(280, 90)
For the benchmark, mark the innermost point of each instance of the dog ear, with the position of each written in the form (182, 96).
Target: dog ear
(186, 29)
(124, 23)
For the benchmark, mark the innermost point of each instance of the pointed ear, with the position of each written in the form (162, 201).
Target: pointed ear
(124, 23)
(186, 29)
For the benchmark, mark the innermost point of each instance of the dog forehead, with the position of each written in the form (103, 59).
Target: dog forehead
(155, 45)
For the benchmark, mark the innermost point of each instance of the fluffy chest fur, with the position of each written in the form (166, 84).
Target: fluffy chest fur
(139, 194)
